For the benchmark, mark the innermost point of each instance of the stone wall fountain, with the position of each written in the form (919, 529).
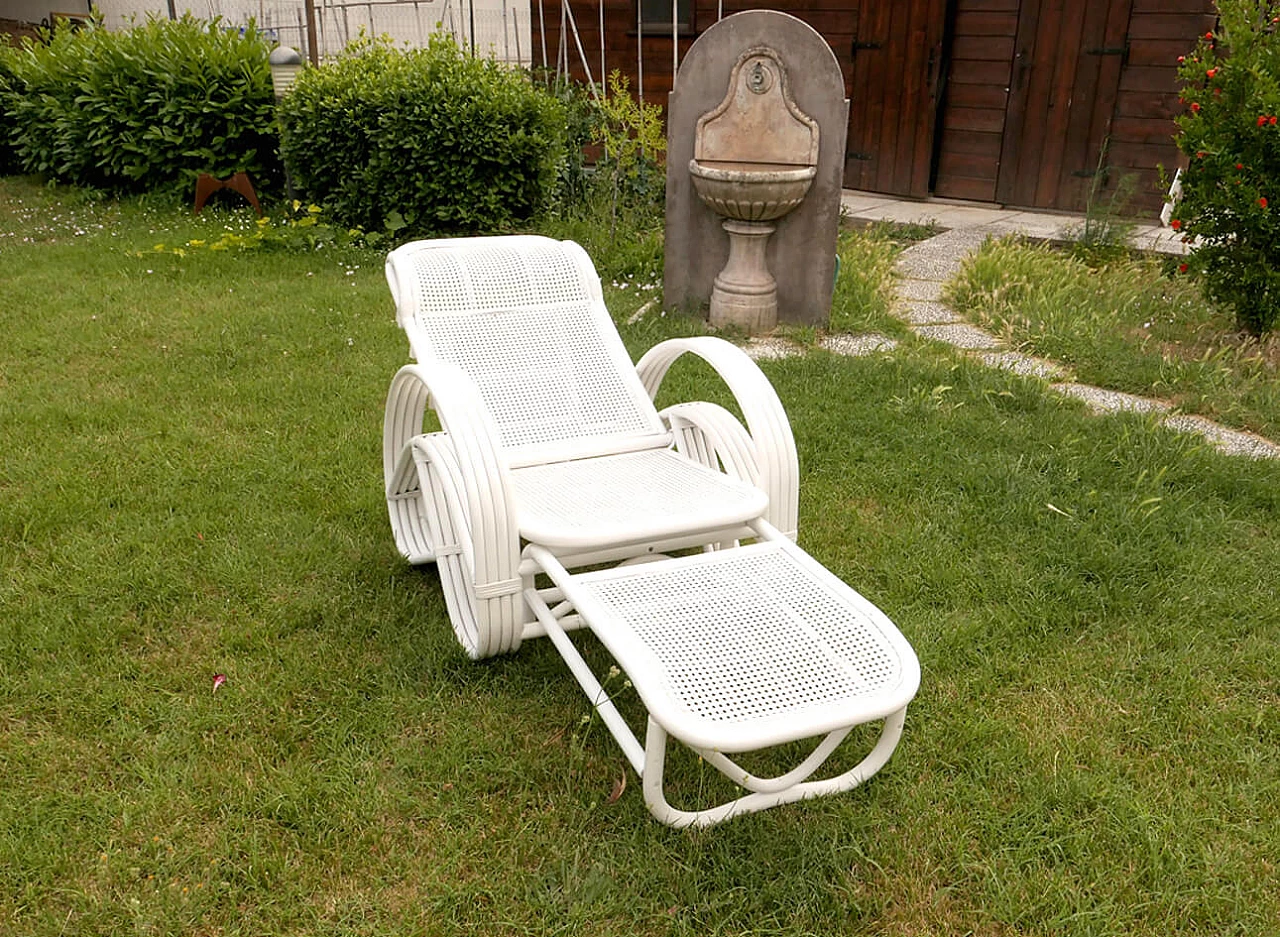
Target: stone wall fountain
(755, 151)
(754, 159)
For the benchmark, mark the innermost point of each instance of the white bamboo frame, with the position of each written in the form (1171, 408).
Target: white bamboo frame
(450, 499)
(773, 448)
(649, 760)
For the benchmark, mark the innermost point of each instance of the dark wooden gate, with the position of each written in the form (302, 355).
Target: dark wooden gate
(1066, 74)
(1033, 87)
(895, 71)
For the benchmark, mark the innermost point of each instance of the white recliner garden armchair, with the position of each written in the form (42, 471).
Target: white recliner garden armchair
(551, 457)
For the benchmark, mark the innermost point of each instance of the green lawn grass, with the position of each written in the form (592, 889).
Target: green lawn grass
(1131, 325)
(190, 485)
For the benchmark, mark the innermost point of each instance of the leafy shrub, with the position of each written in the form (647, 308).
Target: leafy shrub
(1231, 134)
(614, 208)
(450, 142)
(632, 137)
(10, 88)
(142, 108)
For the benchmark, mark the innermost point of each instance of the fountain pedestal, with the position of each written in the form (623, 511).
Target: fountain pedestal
(750, 196)
(745, 294)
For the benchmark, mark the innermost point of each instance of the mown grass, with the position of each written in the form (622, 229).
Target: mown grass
(190, 486)
(1130, 325)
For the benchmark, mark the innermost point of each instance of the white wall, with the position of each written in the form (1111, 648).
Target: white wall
(33, 11)
(502, 27)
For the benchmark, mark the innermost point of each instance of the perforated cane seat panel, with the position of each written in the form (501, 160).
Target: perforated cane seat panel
(628, 498)
(748, 647)
(524, 317)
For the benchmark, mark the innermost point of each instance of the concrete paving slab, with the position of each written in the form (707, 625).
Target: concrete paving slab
(1024, 365)
(966, 216)
(919, 312)
(1161, 241)
(1032, 225)
(853, 202)
(857, 346)
(927, 290)
(963, 336)
(771, 349)
(1231, 441)
(1100, 400)
(900, 212)
(930, 264)
(870, 206)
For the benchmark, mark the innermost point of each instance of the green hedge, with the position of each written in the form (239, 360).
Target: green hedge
(142, 108)
(452, 143)
(9, 89)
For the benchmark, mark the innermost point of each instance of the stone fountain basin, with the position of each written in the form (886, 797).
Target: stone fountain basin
(750, 191)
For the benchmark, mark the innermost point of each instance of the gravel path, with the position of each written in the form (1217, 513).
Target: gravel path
(925, 266)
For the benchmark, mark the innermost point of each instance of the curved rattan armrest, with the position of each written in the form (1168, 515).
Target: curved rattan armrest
(710, 434)
(472, 478)
(774, 447)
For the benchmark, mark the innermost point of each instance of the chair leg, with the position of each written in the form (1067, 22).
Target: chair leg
(655, 766)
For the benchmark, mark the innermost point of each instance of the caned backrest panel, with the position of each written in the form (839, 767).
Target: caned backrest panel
(524, 317)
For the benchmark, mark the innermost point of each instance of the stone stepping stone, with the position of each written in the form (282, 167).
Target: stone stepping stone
(857, 346)
(919, 312)
(1230, 441)
(1024, 365)
(1100, 400)
(960, 335)
(926, 290)
(771, 349)
(929, 265)
(851, 346)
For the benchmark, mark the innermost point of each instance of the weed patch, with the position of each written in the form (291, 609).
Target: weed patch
(1127, 325)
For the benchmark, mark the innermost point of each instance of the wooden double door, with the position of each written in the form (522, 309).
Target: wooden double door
(993, 100)
(894, 66)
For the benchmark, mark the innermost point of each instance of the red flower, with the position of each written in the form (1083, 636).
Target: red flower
(1211, 72)
(1209, 36)
(1175, 224)
(1217, 92)
(1261, 121)
(1239, 165)
(1271, 121)
(1200, 154)
(1263, 201)
(1181, 59)
(1195, 106)
(1182, 268)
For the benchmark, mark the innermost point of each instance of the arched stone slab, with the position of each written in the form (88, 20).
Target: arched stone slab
(802, 254)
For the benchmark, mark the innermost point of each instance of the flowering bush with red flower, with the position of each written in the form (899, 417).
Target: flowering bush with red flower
(1231, 86)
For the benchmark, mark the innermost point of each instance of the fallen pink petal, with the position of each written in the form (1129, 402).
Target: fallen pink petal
(218, 680)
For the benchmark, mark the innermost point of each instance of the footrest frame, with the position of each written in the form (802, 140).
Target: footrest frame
(649, 760)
